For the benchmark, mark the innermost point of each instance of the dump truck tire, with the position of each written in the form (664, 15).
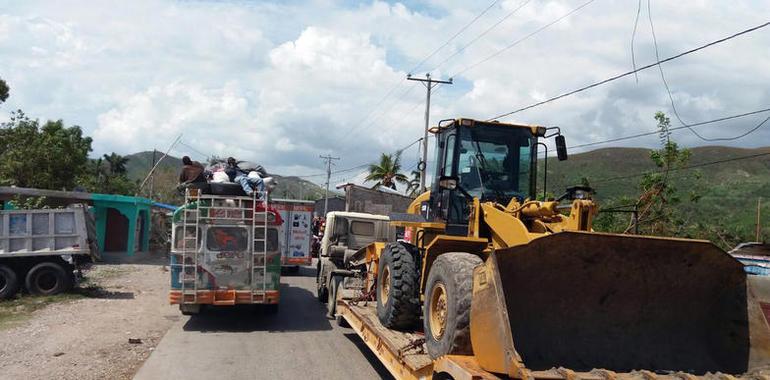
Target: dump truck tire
(9, 282)
(47, 278)
(398, 282)
(447, 306)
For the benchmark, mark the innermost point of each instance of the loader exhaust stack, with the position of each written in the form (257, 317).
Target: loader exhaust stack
(588, 301)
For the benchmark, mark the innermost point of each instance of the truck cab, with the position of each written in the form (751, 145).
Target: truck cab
(346, 233)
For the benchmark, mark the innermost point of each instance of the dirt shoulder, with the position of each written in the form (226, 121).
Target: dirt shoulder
(85, 335)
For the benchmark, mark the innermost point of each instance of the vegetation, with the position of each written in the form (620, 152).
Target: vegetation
(413, 187)
(46, 156)
(4, 91)
(714, 202)
(108, 175)
(387, 172)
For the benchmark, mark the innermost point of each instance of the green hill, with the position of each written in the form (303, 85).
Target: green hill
(728, 190)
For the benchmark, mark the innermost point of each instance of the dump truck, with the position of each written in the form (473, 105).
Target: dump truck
(489, 282)
(40, 250)
(225, 252)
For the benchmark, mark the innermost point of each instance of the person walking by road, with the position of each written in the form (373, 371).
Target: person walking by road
(248, 182)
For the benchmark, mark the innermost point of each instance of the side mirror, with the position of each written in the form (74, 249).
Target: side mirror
(561, 148)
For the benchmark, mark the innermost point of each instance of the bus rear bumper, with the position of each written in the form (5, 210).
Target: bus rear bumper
(224, 297)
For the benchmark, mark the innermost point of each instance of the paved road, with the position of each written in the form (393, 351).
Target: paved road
(297, 343)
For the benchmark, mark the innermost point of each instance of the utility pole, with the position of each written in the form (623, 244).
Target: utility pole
(328, 159)
(429, 83)
(759, 224)
(152, 179)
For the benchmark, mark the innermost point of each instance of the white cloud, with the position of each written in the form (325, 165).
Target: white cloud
(282, 82)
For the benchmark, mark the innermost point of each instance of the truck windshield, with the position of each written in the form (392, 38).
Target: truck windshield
(495, 162)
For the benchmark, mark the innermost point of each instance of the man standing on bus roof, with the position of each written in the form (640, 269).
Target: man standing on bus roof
(248, 182)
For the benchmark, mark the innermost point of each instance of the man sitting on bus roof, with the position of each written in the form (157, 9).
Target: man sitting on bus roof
(248, 181)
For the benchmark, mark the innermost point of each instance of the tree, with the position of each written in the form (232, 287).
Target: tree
(48, 156)
(116, 164)
(107, 175)
(387, 172)
(658, 198)
(4, 91)
(413, 187)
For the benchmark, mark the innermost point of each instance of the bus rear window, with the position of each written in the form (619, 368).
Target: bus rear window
(227, 239)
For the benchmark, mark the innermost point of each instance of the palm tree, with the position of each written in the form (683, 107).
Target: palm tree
(387, 172)
(413, 188)
(116, 163)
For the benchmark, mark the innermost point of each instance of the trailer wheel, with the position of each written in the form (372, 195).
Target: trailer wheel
(47, 279)
(447, 307)
(9, 282)
(398, 282)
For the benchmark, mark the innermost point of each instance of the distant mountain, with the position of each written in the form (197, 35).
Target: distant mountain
(729, 190)
(139, 164)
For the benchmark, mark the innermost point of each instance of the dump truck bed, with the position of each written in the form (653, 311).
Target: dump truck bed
(403, 354)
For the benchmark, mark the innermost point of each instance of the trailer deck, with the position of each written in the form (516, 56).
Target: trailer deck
(403, 353)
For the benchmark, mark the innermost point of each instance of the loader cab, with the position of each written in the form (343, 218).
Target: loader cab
(485, 160)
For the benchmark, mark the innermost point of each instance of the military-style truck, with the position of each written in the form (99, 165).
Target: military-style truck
(346, 233)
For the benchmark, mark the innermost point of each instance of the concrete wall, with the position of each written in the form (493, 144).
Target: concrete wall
(361, 199)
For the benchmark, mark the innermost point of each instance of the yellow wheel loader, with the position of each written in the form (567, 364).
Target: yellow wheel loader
(500, 284)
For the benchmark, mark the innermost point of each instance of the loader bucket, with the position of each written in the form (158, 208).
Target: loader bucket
(587, 301)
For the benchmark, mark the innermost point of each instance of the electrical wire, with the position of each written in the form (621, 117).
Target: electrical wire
(398, 152)
(362, 121)
(682, 127)
(619, 76)
(528, 36)
(413, 69)
(633, 35)
(482, 34)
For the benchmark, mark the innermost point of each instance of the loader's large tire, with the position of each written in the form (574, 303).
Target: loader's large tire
(398, 283)
(447, 306)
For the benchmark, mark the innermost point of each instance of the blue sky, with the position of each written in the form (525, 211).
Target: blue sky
(282, 82)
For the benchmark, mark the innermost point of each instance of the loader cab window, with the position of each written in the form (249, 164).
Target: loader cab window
(495, 162)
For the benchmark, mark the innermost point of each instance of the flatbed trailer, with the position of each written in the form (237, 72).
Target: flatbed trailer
(402, 353)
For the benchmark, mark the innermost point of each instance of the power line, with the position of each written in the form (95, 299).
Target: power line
(688, 167)
(682, 127)
(413, 69)
(398, 151)
(528, 36)
(399, 82)
(482, 34)
(616, 77)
